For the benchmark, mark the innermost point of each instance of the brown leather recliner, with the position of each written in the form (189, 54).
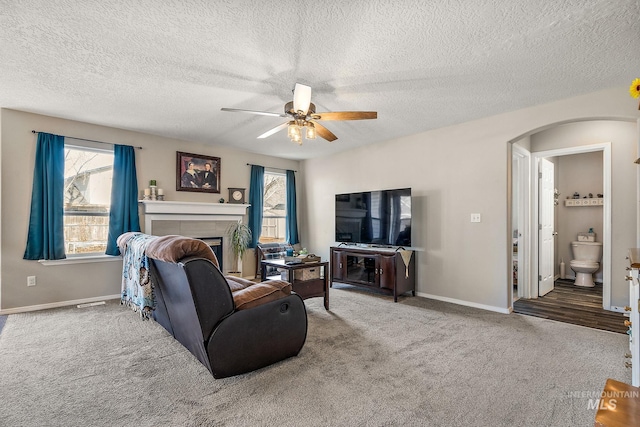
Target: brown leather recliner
(231, 325)
(195, 304)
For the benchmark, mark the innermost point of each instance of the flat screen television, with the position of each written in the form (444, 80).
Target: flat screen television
(374, 217)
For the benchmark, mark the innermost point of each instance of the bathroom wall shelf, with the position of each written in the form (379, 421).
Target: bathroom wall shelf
(595, 201)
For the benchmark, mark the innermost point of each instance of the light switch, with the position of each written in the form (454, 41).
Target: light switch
(475, 217)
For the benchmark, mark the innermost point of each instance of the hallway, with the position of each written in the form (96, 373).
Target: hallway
(570, 304)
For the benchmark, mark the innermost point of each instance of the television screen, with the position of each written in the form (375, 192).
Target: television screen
(374, 217)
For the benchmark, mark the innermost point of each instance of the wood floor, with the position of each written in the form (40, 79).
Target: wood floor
(572, 304)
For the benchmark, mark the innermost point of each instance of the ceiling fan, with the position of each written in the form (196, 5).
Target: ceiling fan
(303, 117)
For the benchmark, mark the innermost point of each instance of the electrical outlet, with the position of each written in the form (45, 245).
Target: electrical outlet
(475, 217)
(31, 280)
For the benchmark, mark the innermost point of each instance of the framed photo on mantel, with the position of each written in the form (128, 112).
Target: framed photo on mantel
(195, 172)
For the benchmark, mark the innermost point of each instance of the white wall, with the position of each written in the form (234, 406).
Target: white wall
(453, 172)
(623, 137)
(157, 160)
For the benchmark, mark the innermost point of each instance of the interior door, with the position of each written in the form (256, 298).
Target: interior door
(546, 228)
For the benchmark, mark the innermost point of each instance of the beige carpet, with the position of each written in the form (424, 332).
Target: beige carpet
(368, 362)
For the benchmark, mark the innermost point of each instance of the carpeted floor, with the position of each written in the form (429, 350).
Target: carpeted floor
(368, 362)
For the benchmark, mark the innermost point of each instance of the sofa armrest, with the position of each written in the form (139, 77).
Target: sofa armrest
(210, 293)
(237, 283)
(261, 293)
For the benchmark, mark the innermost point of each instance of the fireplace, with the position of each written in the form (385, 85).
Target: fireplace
(193, 219)
(215, 243)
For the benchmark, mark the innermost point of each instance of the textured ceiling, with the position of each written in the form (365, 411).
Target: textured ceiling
(167, 67)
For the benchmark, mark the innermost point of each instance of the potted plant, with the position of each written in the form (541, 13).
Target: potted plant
(240, 235)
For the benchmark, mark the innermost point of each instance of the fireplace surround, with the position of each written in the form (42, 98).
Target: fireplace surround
(192, 219)
(217, 246)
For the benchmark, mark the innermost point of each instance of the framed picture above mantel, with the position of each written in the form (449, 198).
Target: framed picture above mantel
(196, 172)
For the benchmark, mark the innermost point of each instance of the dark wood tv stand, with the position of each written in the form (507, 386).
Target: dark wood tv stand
(382, 269)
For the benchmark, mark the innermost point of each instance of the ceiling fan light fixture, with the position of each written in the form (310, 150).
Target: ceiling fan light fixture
(293, 130)
(311, 131)
(304, 122)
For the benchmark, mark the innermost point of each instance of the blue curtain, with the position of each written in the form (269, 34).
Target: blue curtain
(256, 198)
(292, 212)
(46, 228)
(123, 214)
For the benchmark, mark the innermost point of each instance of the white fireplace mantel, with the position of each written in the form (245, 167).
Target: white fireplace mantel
(155, 210)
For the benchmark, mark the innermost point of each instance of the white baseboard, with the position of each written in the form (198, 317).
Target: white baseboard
(466, 303)
(56, 304)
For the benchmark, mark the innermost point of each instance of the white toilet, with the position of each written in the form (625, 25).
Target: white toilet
(587, 257)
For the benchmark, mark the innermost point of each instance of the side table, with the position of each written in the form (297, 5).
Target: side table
(313, 287)
(619, 405)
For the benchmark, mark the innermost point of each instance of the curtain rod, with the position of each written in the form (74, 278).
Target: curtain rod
(84, 139)
(269, 167)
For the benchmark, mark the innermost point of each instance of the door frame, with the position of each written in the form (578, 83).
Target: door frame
(605, 147)
(524, 224)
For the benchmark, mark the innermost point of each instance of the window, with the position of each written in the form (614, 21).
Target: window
(274, 210)
(87, 197)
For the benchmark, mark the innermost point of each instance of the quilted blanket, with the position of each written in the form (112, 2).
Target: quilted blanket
(137, 290)
(137, 248)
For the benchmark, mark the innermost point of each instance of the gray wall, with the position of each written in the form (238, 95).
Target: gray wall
(453, 172)
(157, 160)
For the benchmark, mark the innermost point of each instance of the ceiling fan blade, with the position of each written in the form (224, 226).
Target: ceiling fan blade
(323, 132)
(346, 115)
(262, 113)
(301, 98)
(274, 130)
